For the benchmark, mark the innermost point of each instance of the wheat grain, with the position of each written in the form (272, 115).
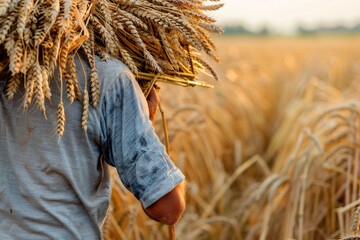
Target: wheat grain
(70, 92)
(82, 8)
(211, 27)
(38, 87)
(60, 119)
(53, 55)
(68, 4)
(117, 23)
(10, 19)
(128, 60)
(151, 39)
(131, 17)
(185, 3)
(29, 90)
(165, 65)
(149, 15)
(46, 87)
(102, 53)
(206, 36)
(39, 35)
(107, 37)
(356, 220)
(89, 54)
(211, 7)
(16, 58)
(73, 73)
(12, 86)
(85, 112)
(30, 60)
(103, 8)
(165, 4)
(22, 17)
(9, 44)
(4, 5)
(167, 47)
(139, 42)
(207, 66)
(28, 36)
(46, 58)
(95, 88)
(47, 22)
(199, 15)
(350, 237)
(63, 58)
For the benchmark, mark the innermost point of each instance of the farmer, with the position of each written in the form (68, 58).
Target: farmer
(52, 189)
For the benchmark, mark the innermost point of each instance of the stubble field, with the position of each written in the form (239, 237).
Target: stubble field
(272, 152)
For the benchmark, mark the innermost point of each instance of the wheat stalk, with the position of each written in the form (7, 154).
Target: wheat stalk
(39, 36)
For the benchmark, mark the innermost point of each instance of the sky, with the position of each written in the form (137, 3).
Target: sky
(285, 15)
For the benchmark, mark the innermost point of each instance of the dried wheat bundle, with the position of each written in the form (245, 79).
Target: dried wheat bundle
(155, 38)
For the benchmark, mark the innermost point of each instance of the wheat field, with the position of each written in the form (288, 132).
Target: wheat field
(272, 152)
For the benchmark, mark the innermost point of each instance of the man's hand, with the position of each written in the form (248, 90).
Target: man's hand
(153, 102)
(170, 207)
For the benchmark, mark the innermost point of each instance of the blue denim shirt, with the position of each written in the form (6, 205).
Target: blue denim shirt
(130, 144)
(51, 190)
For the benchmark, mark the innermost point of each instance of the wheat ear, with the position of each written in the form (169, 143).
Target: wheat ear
(13, 86)
(350, 237)
(85, 113)
(46, 87)
(38, 87)
(8, 23)
(60, 119)
(29, 90)
(356, 220)
(16, 57)
(61, 110)
(70, 91)
(4, 5)
(95, 88)
(73, 72)
(207, 66)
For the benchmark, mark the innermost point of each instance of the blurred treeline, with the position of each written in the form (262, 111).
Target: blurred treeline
(242, 29)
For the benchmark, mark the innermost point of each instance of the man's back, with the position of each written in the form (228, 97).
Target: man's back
(51, 190)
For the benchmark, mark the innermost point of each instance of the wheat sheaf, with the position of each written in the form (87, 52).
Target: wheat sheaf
(162, 38)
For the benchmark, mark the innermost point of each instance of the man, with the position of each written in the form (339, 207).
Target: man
(51, 190)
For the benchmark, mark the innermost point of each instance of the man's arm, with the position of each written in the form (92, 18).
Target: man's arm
(130, 144)
(170, 207)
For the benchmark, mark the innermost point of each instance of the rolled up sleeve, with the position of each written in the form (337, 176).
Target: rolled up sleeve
(130, 144)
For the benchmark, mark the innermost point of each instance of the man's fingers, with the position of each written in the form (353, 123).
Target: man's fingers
(153, 102)
(153, 97)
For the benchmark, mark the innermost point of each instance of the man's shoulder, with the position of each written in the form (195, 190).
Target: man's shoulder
(110, 71)
(113, 64)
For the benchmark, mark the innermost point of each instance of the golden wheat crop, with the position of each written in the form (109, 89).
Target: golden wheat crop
(39, 37)
(271, 153)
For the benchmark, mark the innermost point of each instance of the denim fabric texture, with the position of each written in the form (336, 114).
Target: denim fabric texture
(61, 190)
